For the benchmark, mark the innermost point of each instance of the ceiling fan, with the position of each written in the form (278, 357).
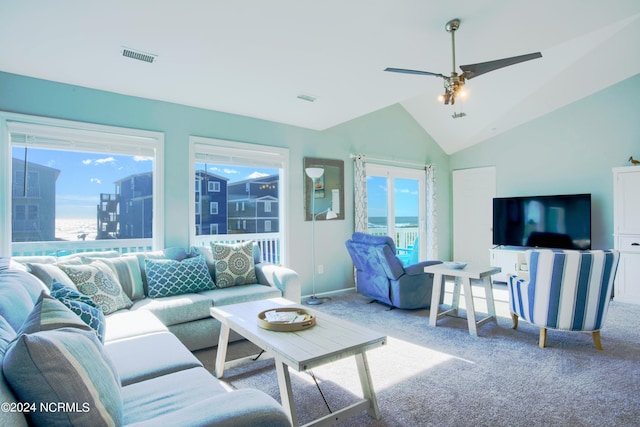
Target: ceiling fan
(454, 82)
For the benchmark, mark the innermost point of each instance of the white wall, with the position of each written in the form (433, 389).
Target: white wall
(571, 150)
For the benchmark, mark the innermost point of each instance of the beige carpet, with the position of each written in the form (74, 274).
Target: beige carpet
(442, 376)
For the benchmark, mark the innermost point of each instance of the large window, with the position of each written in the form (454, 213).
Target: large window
(396, 204)
(77, 182)
(245, 183)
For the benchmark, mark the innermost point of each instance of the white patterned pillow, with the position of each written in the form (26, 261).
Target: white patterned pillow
(234, 264)
(166, 277)
(98, 282)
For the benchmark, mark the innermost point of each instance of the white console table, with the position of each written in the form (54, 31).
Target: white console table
(511, 261)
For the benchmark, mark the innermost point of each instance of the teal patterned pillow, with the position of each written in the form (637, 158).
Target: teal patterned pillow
(47, 314)
(81, 305)
(166, 277)
(98, 282)
(234, 264)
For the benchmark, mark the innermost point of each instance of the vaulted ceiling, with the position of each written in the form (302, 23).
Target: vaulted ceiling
(255, 58)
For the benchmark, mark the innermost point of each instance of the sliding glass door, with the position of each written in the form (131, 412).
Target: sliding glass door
(396, 206)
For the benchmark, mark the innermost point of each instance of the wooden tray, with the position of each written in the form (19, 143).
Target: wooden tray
(287, 326)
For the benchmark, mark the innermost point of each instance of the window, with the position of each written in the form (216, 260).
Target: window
(267, 226)
(74, 181)
(396, 204)
(267, 206)
(239, 175)
(214, 186)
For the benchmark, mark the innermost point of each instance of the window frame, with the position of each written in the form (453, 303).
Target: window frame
(81, 136)
(233, 152)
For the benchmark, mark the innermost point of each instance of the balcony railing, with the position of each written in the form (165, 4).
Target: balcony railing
(270, 245)
(61, 247)
(404, 237)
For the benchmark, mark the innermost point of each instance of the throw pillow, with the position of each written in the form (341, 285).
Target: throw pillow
(64, 366)
(48, 272)
(166, 277)
(98, 282)
(234, 264)
(81, 305)
(127, 269)
(49, 314)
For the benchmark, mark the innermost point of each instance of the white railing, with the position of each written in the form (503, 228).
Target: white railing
(270, 243)
(404, 237)
(63, 247)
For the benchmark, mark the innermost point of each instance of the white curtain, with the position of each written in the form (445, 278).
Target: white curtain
(432, 216)
(361, 216)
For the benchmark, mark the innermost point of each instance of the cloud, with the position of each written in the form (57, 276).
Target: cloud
(258, 175)
(87, 162)
(96, 180)
(105, 160)
(229, 171)
(142, 158)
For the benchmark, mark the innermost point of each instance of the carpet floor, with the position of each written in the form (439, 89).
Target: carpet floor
(442, 376)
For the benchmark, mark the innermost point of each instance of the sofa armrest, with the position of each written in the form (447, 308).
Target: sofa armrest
(280, 277)
(418, 268)
(239, 408)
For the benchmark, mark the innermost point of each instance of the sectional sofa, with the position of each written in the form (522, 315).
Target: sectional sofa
(65, 363)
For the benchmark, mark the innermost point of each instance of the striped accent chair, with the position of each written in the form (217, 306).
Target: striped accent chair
(568, 290)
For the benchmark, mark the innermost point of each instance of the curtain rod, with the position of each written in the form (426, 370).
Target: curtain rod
(400, 162)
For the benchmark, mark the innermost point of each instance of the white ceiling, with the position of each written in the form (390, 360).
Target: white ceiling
(254, 57)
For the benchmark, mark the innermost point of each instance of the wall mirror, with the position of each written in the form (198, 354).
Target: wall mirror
(324, 189)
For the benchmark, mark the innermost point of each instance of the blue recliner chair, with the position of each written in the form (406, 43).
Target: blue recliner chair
(380, 275)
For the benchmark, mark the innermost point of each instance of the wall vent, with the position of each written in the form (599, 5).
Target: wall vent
(140, 56)
(307, 97)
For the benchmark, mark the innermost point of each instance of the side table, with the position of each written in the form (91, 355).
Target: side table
(464, 277)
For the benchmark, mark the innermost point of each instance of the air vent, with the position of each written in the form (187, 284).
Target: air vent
(140, 56)
(306, 97)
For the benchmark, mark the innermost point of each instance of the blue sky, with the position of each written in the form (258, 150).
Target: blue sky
(83, 176)
(405, 194)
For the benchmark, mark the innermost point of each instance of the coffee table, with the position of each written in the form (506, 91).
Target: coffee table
(329, 340)
(466, 276)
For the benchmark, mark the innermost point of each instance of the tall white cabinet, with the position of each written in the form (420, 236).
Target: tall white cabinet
(626, 231)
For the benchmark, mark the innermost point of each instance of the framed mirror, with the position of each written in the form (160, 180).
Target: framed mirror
(323, 188)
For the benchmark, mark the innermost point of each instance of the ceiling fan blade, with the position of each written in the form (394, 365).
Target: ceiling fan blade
(405, 71)
(475, 70)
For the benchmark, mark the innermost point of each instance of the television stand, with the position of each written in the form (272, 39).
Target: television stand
(511, 260)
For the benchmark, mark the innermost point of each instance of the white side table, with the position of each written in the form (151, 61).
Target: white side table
(464, 276)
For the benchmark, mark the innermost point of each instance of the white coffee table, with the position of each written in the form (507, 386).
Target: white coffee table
(329, 340)
(467, 276)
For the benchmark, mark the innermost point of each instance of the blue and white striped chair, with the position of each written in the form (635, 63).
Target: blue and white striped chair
(568, 290)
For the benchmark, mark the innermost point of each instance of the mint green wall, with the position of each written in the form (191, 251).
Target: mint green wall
(387, 133)
(571, 150)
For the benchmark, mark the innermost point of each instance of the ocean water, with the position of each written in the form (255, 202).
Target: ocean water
(74, 229)
(401, 221)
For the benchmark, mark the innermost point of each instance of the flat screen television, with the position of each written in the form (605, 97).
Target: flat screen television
(558, 221)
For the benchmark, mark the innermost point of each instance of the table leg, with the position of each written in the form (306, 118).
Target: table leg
(221, 351)
(471, 311)
(436, 291)
(367, 386)
(286, 392)
(455, 301)
(488, 289)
